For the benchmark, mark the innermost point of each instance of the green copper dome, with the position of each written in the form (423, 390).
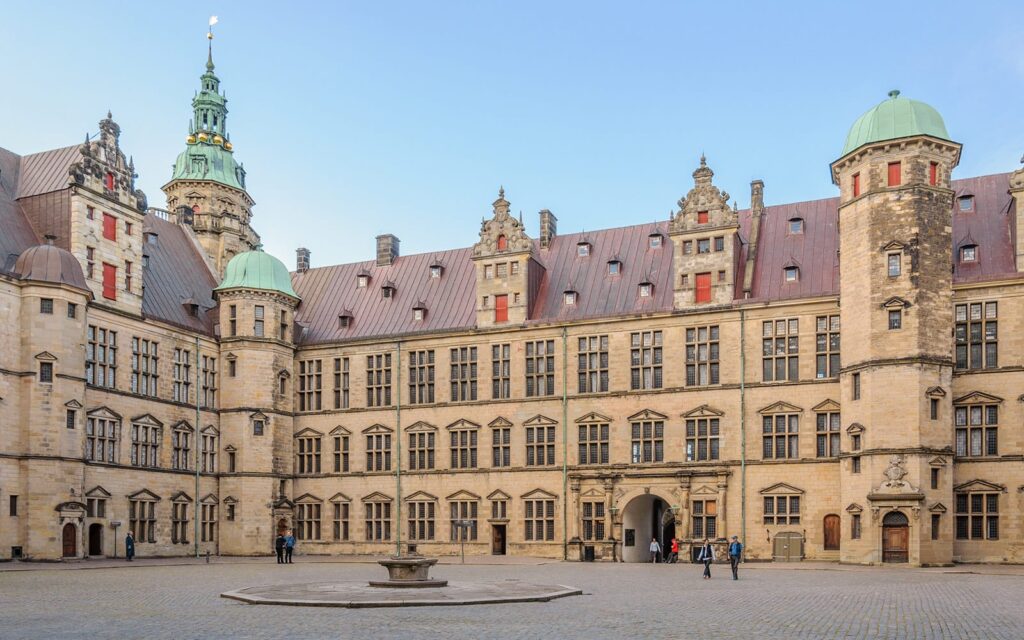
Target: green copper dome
(895, 118)
(257, 270)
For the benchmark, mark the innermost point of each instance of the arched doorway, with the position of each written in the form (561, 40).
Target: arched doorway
(646, 516)
(282, 527)
(95, 539)
(831, 528)
(70, 539)
(895, 537)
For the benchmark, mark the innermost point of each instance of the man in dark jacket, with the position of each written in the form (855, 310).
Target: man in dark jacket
(735, 554)
(279, 547)
(129, 546)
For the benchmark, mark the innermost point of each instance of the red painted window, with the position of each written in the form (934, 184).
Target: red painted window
(501, 307)
(109, 227)
(502, 243)
(109, 281)
(108, 181)
(703, 287)
(933, 173)
(856, 185)
(702, 217)
(895, 174)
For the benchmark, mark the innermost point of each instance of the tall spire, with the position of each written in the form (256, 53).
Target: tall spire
(209, 36)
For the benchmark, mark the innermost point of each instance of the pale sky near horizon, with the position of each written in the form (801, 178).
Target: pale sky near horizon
(360, 118)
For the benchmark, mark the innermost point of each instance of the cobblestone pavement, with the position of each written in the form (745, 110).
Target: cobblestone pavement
(620, 601)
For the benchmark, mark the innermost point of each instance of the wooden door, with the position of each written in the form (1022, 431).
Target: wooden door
(894, 543)
(498, 539)
(96, 539)
(787, 547)
(70, 536)
(832, 532)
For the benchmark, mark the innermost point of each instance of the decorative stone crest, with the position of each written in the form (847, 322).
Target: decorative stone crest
(102, 156)
(501, 225)
(704, 196)
(895, 474)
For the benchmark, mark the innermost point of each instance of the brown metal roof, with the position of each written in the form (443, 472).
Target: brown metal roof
(176, 274)
(46, 171)
(989, 225)
(16, 233)
(47, 263)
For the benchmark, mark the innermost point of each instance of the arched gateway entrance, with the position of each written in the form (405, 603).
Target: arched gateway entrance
(895, 537)
(646, 516)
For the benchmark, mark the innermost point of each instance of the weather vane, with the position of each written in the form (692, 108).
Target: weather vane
(213, 21)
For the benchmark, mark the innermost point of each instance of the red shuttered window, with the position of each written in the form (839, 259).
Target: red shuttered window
(501, 308)
(895, 174)
(702, 217)
(109, 227)
(856, 185)
(933, 173)
(108, 181)
(703, 287)
(502, 243)
(109, 281)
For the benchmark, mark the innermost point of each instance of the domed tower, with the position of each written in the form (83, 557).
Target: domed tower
(207, 188)
(895, 217)
(257, 311)
(54, 293)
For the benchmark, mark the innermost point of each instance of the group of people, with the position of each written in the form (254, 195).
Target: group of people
(284, 544)
(705, 555)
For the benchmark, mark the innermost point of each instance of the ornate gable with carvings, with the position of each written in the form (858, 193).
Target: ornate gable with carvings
(502, 225)
(102, 157)
(704, 196)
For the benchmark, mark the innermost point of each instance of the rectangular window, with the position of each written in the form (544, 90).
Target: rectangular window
(463, 448)
(687, 247)
(539, 520)
(45, 372)
(703, 289)
(855, 526)
(101, 357)
(145, 367)
(340, 520)
(463, 512)
(593, 364)
(90, 262)
(593, 443)
(856, 185)
(501, 308)
(499, 509)
(780, 436)
(90, 213)
(976, 335)
(181, 447)
(593, 520)
(935, 477)
(307, 455)
(702, 356)
(720, 243)
(936, 522)
(341, 383)
(826, 347)
(540, 446)
(933, 173)
(540, 368)
(96, 507)
(109, 227)
(645, 360)
(895, 264)
(70, 418)
(828, 435)
(128, 276)
(378, 380)
(501, 371)
(855, 442)
(702, 439)
(704, 519)
(933, 410)
(977, 430)
(109, 281)
(46, 306)
(378, 452)
(308, 521)
(782, 510)
(463, 374)
(231, 462)
(258, 314)
(780, 349)
(179, 522)
(378, 521)
(648, 441)
(208, 524)
(421, 450)
(209, 390)
(895, 319)
(72, 310)
(340, 454)
(282, 328)
(421, 377)
(977, 516)
(421, 520)
(704, 245)
(232, 368)
(856, 386)
(209, 451)
(501, 449)
(310, 384)
(145, 442)
(232, 320)
(895, 174)
(142, 520)
(230, 512)
(182, 375)
(855, 464)
(12, 504)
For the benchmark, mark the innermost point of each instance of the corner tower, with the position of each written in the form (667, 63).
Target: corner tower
(207, 188)
(895, 218)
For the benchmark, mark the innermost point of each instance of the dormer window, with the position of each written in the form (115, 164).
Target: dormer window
(614, 267)
(583, 249)
(569, 298)
(702, 217)
(362, 281)
(387, 291)
(344, 320)
(502, 243)
(654, 240)
(969, 253)
(418, 313)
(646, 289)
(435, 271)
(796, 226)
(966, 203)
(792, 274)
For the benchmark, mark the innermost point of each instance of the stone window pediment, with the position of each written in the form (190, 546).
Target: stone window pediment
(498, 495)
(209, 499)
(46, 356)
(781, 407)
(339, 497)
(855, 428)
(230, 447)
(462, 423)
(893, 245)
(308, 498)
(144, 494)
(978, 397)
(593, 492)
(148, 420)
(259, 415)
(210, 430)
(73, 404)
(309, 432)
(539, 420)
(181, 496)
(935, 392)
(538, 494)
(230, 500)
(464, 495)
(854, 508)
(377, 496)
(782, 488)
(647, 414)
(499, 422)
(937, 461)
(979, 485)
(828, 406)
(703, 411)
(704, 490)
(938, 507)
(377, 428)
(103, 412)
(180, 425)
(97, 492)
(340, 431)
(420, 496)
(593, 416)
(896, 302)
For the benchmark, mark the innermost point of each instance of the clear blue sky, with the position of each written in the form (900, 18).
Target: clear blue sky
(355, 119)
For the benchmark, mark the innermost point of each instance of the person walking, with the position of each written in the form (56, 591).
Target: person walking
(675, 551)
(735, 554)
(707, 556)
(655, 549)
(129, 546)
(279, 547)
(289, 546)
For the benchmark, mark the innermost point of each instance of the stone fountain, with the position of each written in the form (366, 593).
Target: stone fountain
(408, 572)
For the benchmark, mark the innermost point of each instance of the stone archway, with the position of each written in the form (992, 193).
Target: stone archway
(645, 516)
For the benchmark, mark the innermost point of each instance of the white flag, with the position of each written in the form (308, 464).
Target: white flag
(213, 20)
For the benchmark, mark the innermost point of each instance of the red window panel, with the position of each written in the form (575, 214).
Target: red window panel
(502, 243)
(109, 281)
(856, 185)
(108, 181)
(501, 308)
(702, 217)
(933, 173)
(895, 177)
(703, 287)
(109, 227)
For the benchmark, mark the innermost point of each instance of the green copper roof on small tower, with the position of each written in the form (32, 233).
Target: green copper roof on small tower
(257, 270)
(895, 118)
(209, 155)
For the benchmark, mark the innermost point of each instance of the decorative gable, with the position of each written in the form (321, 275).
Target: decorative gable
(647, 414)
(339, 497)
(309, 433)
(498, 495)
(463, 495)
(97, 492)
(592, 417)
(420, 496)
(462, 423)
(781, 488)
(377, 428)
(377, 496)
(340, 431)
(935, 392)
(144, 494)
(828, 406)
(781, 407)
(979, 485)
(704, 206)
(896, 302)
(704, 411)
(978, 397)
(854, 508)
(539, 420)
(499, 422)
(181, 496)
(502, 233)
(308, 498)
(538, 494)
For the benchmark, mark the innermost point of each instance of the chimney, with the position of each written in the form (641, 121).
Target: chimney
(756, 211)
(387, 249)
(548, 228)
(50, 238)
(302, 260)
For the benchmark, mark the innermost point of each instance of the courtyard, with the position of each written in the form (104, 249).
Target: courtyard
(174, 600)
